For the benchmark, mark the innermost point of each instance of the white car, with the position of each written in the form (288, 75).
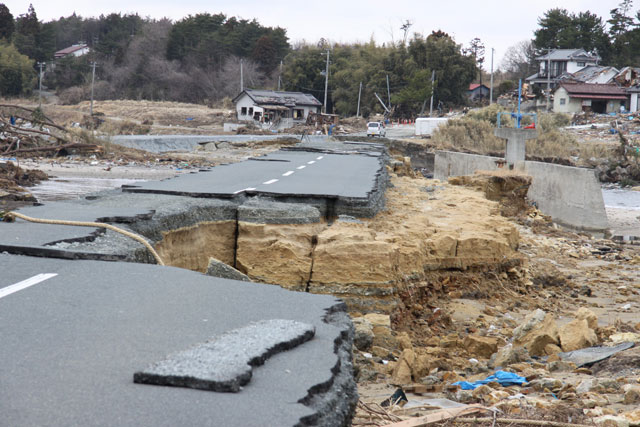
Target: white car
(376, 129)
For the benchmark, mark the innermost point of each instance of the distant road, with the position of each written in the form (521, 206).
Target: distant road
(402, 131)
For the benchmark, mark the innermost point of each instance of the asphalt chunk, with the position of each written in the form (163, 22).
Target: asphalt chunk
(225, 363)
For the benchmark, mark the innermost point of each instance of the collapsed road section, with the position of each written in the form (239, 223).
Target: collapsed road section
(75, 337)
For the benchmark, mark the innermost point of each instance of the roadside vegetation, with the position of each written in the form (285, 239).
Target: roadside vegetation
(475, 133)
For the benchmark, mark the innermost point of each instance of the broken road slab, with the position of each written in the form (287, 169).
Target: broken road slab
(285, 173)
(225, 363)
(71, 342)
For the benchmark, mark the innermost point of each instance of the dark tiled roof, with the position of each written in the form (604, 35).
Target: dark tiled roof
(288, 99)
(592, 89)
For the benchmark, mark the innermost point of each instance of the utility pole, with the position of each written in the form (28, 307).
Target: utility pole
(359, 93)
(93, 79)
(548, 76)
(280, 76)
(388, 92)
(491, 85)
(326, 83)
(433, 77)
(241, 77)
(40, 64)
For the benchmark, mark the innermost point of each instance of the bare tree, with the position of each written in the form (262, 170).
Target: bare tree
(519, 59)
(228, 80)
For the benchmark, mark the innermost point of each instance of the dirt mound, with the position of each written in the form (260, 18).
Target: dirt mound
(509, 188)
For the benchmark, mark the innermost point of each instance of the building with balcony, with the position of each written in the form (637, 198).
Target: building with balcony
(558, 62)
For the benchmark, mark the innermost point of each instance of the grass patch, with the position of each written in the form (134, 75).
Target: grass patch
(474, 133)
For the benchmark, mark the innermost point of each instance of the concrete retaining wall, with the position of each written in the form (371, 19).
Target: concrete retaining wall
(448, 163)
(571, 196)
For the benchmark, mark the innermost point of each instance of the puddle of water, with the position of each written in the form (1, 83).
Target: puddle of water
(621, 199)
(74, 188)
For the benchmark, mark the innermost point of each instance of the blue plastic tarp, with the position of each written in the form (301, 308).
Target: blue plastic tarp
(503, 378)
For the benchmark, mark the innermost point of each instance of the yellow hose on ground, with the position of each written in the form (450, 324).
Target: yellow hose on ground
(12, 215)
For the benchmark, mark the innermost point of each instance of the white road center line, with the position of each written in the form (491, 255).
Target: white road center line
(301, 167)
(26, 283)
(271, 181)
(311, 162)
(319, 157)
(287, 173)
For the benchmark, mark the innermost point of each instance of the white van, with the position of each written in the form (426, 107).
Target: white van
(376, 129)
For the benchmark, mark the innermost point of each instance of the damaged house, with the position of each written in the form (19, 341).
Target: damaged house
(572, 97)
(268, 106)
(558, 62)
(596, 74)
(629, 78)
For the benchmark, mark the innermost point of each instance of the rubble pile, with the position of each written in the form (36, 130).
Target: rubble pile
(566, 326)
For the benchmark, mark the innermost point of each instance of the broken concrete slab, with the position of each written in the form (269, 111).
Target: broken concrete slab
(303, 175)
(266, 211)
(591, 355)
(146, 214)
(71, 343)
(225, 362)
(218, 268)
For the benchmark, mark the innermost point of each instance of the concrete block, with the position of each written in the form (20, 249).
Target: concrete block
(516, 142)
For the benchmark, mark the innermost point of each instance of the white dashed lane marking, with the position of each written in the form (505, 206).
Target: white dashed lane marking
(26, 284)
(244, 189)
(271, 181)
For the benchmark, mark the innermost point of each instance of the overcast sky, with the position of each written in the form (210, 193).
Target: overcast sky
(499, 24)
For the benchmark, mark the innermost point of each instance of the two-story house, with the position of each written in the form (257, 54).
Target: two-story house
(557, 62)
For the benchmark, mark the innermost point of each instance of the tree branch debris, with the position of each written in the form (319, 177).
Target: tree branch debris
(24, 130)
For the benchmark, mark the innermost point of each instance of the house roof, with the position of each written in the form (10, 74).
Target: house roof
(596, 91)
(272, 97)
(70, 49)
(474, 86)
(588, 73)
(568, 54)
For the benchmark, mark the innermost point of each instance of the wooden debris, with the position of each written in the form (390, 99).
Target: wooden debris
(25, 130)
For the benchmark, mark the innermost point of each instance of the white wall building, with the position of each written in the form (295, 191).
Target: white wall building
(599, 98)
(559, 61)
(75, 50)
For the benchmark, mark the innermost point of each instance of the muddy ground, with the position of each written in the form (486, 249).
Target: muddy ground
(459, 319)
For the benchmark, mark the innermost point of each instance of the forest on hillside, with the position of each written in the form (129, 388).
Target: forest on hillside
(199, 59)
